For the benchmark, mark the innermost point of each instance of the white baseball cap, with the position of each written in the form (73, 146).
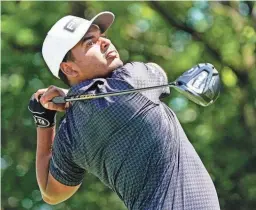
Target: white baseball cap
(66, 33)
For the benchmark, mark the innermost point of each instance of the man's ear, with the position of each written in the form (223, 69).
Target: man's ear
(68, 69)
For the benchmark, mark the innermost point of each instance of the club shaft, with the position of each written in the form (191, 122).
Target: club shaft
(58, 100)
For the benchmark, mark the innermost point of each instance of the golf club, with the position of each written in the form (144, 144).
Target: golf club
(200, 84)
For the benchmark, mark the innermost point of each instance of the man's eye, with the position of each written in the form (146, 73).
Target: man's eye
(89, 43)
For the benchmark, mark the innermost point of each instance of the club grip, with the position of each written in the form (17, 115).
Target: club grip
(58, 100)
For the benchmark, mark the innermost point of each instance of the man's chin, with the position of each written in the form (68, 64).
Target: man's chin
(116, 63)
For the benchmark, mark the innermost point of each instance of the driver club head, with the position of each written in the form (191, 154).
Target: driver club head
(201, 84)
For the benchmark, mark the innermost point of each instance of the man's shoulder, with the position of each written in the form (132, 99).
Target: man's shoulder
(134, 68)
(134, 64)
(149, 68)
(147, 65)
(155, 68)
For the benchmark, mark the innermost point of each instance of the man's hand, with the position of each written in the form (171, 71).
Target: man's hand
(43, 117)
(43, 111)
(48, 94)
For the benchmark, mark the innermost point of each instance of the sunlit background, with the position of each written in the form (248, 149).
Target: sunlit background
(175, 35)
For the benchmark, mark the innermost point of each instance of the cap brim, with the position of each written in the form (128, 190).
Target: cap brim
(104, 20)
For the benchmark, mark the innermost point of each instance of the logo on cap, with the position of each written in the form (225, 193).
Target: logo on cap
(71, 25)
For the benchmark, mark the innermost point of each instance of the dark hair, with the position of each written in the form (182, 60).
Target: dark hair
(61, 75)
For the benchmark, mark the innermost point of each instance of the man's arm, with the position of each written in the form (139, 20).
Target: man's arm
(53, 192)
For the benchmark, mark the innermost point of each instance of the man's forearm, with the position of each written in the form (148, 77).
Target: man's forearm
(45, 138)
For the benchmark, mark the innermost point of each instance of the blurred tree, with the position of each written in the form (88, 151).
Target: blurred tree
(176, 35)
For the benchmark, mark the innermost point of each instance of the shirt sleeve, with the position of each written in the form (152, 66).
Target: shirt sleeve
(140, 75)
(62, 166)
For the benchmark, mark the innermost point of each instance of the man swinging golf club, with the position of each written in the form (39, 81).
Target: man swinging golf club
(133, 143)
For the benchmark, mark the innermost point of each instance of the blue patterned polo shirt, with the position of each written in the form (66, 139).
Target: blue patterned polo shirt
(133, 143)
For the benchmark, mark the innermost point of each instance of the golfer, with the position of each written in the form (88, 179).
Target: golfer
(133, 143)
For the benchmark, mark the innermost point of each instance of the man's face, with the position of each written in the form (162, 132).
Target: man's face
(94, 56)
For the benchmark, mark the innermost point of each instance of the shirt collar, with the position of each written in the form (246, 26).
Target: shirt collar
(82, 87)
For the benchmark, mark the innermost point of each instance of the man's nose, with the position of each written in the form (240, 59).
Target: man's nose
(104, 44)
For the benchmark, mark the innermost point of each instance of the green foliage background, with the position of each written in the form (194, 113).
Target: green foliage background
(176, 35)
